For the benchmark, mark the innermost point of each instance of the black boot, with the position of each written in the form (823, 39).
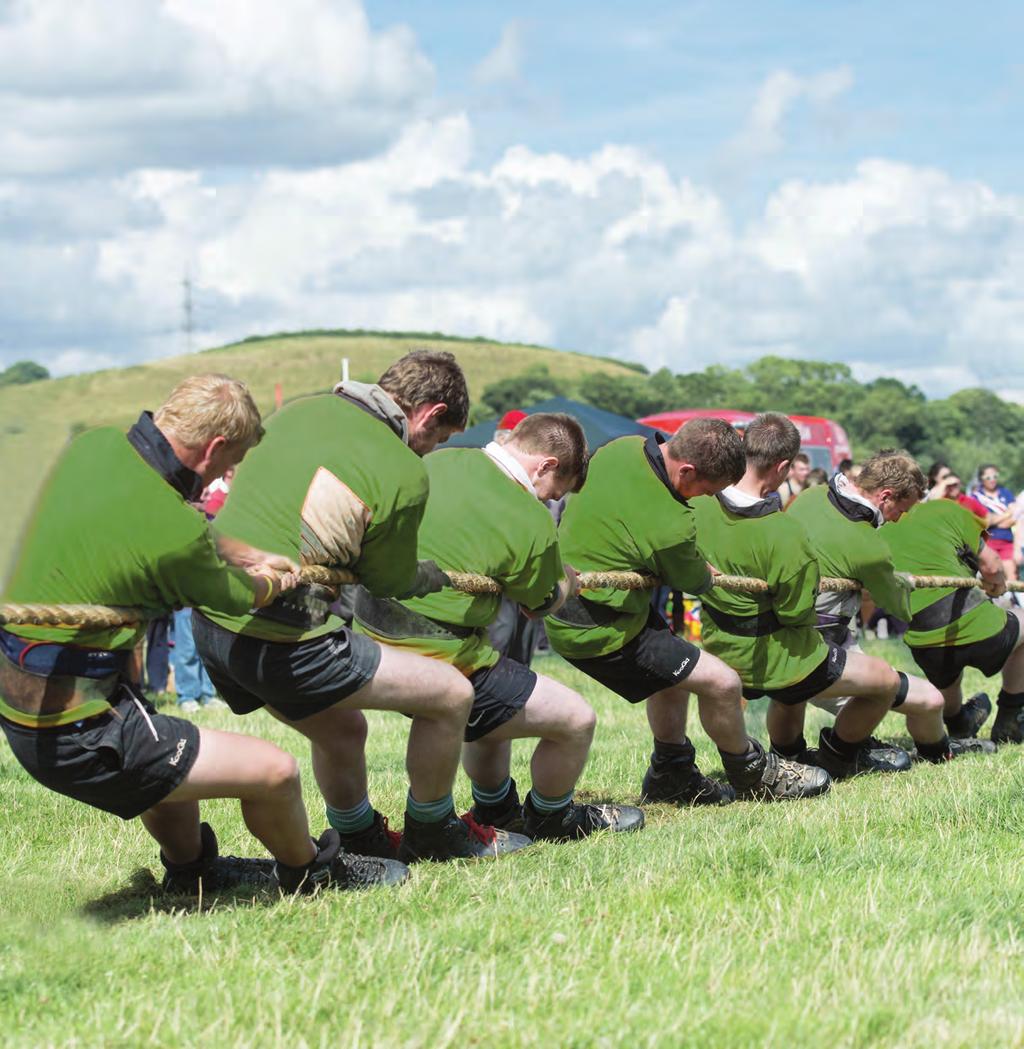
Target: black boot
(212, 872)
(331, 868)
(375, 840)
(453, 839)
(675, 779)
(767, 777)
(1008, 726)
(506, 815)
(576, 821)
(970, 717)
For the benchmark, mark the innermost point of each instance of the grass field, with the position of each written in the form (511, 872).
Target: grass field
(36, 419)
(889, 913)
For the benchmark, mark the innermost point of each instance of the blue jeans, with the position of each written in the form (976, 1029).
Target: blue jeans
(190, 678)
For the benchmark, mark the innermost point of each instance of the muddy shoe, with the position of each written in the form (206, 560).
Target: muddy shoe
(576, 821)
(1008, 726)
(507, 815)
(453, 839)
(683, 784)
(786, 780)
(212, 872)
(331, 868)
(970, 717)
(879, 756)
(375, 840)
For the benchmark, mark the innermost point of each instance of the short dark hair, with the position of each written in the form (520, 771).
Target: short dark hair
(557, 434)
(771, 437)
(934, 470)
(712, 446)
(801, 457)
(429, 377)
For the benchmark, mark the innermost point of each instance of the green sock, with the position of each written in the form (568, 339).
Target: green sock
(483, 796)
(353, 820)
(546, 805)
(429, 811)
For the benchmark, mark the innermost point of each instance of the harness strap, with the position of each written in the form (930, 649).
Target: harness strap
(759, 625)
(578, 611)
(947, 609)
(390, 618)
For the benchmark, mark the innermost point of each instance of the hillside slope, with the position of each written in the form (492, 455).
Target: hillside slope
(36, 419)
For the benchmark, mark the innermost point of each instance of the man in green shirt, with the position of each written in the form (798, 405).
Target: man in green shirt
(953, 629)
(771, 638)
(844, 521)
(339, 482)
(113, 527)
(486, 514)
(634, 514)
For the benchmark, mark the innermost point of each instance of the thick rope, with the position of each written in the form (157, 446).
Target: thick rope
(103, 616)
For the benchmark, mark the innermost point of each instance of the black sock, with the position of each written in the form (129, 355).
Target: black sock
(669, 753)
(936, 753)
(1010, 700)
(790, 750)
(840, 745)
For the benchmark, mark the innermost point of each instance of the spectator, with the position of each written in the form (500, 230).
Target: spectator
(817, 476)
(954, 490)
(509, 421)
(938, 478)
(794, 484)
(999, 503)
(158, 654)
(844, 467)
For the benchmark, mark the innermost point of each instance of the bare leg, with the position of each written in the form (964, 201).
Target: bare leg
(565, 724)
(437, 698)
(872, 684)
(264, 778)
(718, 692)
(953, 697)
(785, 722)
(923, 709)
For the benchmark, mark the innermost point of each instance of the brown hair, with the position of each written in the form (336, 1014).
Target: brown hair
(892, 468)
(553, 433)
(428, 377)
(769, 439)
(712, 446)
(801, 457)
(202, 407)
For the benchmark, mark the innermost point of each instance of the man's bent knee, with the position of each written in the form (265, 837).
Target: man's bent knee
(281, 774)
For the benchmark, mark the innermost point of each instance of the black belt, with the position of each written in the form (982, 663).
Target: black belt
(947, 609)
(578, 611)
(759, 625)
(390, 618)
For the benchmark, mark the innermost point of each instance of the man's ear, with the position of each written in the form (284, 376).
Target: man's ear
(784, 466)
(549, 464)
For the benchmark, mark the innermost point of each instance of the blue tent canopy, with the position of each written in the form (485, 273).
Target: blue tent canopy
(599, 426)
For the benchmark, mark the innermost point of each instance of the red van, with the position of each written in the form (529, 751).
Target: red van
(823, 440)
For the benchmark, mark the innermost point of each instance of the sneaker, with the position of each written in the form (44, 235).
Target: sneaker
(840, 767)
(188, 706)
(507, 815)
(214, 703)
(679, 783)
(375, 840)
(884, 757)
(1008, 726)
(212, 872)
(331, 868)
(761, 776)
(970, 717)
(959, 747)
(784, 779)
(453, 838)
(577, 821)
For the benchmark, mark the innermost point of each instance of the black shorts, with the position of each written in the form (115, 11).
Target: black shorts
(295, 679)
(825, 674)
(655, 659)
(942, 665)
(501, 691)
(124, 761)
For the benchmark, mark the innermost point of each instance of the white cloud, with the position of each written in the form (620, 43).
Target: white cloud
(113, 84)
(893, 268)
(504, 64)
(780, 92)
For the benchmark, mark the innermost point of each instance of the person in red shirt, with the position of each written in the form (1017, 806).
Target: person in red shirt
(954, 490)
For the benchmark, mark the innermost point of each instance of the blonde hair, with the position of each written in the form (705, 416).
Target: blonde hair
(892, 468)
(202, 407)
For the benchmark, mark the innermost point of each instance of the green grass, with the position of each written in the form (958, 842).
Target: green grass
(36, 419)
(889, 913)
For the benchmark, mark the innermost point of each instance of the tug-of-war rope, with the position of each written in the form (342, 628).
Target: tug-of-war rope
(467, 582)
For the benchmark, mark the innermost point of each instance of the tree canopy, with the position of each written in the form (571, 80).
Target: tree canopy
(22, 372)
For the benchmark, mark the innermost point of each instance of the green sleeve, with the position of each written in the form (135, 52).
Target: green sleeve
(195, 575)
(877, 575)
(533, 585)
(793, 598)
(386, 565)
(679, 564)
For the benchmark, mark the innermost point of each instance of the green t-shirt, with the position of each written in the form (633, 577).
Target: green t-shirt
(479, 519)
(925, 542)
(849, 549)
(626, 518)
(774, 548)
(108, 529)
(330, 484)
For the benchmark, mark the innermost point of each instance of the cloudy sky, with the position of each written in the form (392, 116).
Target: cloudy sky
(676, 183)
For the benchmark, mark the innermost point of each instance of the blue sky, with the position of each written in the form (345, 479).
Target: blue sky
(680, 184)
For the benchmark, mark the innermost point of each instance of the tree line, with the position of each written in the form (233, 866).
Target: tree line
(967, 429)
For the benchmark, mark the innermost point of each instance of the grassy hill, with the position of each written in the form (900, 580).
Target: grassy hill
(37, 419)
